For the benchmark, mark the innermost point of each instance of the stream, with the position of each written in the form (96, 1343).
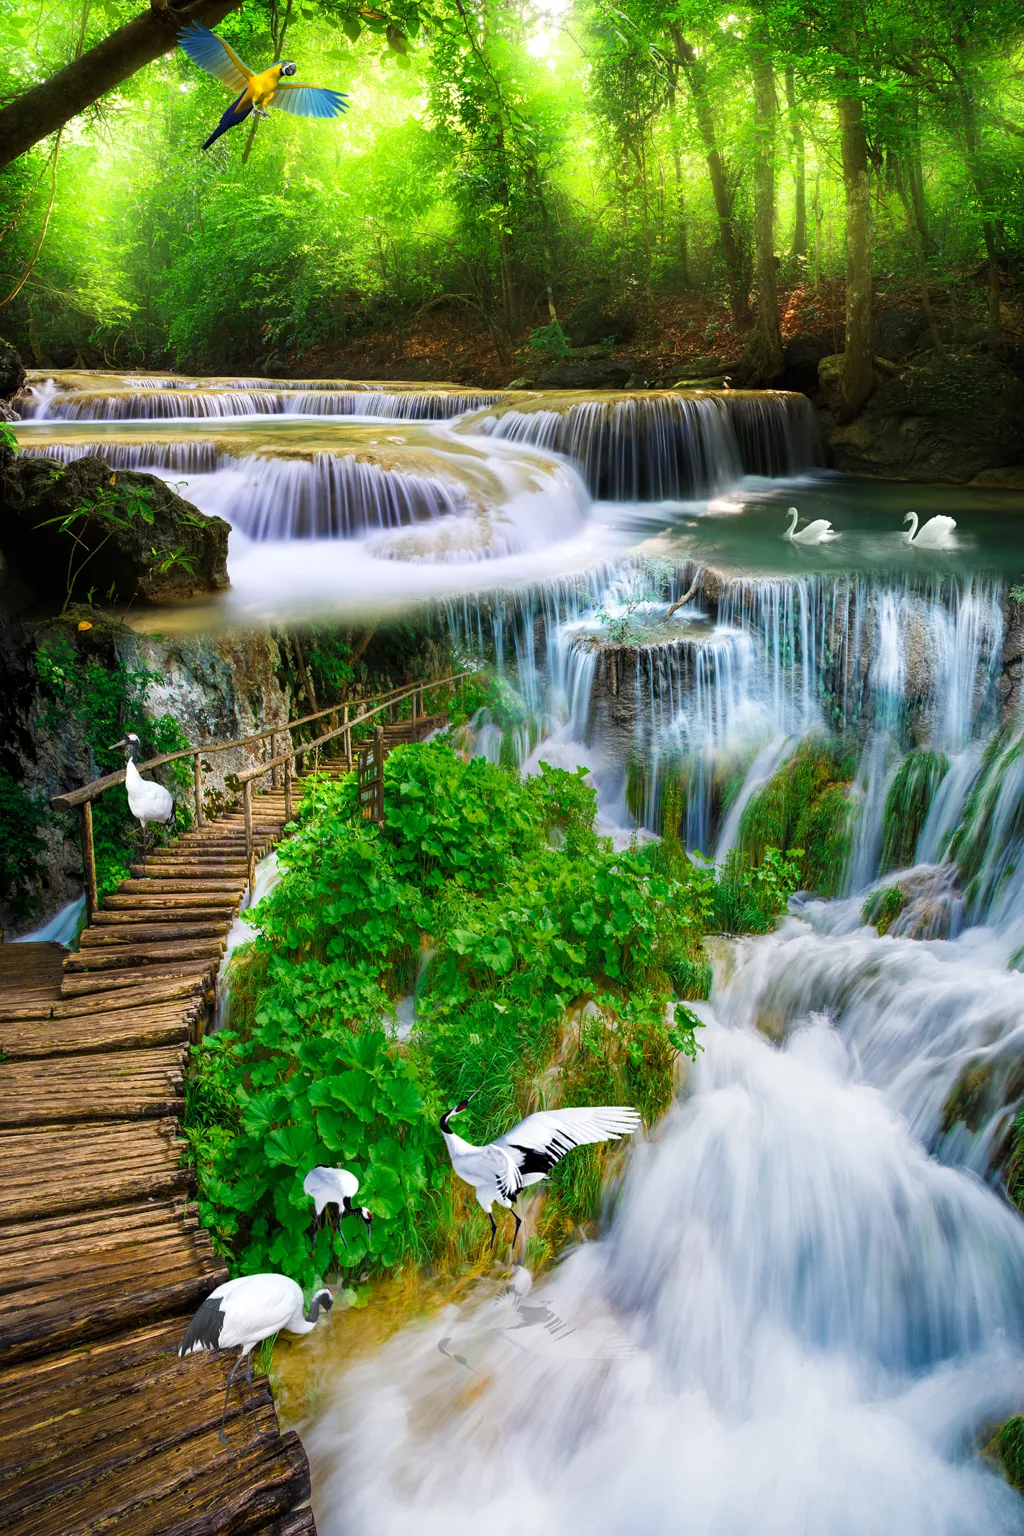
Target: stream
(805, 1313)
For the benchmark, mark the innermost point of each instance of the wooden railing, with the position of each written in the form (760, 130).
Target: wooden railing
(81, 800)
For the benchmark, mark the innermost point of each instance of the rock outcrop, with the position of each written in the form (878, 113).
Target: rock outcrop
(154, 548)
(948, 418)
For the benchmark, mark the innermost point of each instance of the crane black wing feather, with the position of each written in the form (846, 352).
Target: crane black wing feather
(543, 1139)
(205, 1329)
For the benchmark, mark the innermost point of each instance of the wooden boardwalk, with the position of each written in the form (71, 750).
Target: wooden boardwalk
(102, 1261)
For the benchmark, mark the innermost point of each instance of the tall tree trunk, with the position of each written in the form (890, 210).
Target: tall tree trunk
(914, 230)
(972, 144)
(735, 274)
(762, 357)
(857, 379)
(915, 179)
(796, 133)
(44, 108)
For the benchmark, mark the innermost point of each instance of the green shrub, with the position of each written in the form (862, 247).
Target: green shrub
(552, 962)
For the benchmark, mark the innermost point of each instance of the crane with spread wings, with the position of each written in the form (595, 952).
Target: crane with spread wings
(272, 87)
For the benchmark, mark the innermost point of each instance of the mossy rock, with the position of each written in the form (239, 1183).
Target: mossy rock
(178, 553)
(883, 907)
(1010, 1440)
(907, 806)
(943, 418)
(805, 805)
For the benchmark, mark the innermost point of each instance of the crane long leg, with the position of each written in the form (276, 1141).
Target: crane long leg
(494, 1229)
(227, 1393)
(519, 1223)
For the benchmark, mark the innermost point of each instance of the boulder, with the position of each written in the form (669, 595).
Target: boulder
(596, 320)
(586, 373)
(944, 418)
(801, 357)
(12, 380)
(165, 550)
(897, 333)
(1009, 478)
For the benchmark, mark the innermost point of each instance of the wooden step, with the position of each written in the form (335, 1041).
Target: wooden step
(119, 1086)
(117, 956)
(113, 934)
(60, 1171)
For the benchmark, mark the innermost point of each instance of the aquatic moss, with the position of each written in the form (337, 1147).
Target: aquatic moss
(1010, 1440)
(883, 907)
(805, 805)
(971, 845)
(907, 805)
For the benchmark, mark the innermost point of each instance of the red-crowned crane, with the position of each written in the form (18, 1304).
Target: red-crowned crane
(528, 1152)
(242, 1313)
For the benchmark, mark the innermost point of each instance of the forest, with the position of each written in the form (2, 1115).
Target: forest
(511, 181)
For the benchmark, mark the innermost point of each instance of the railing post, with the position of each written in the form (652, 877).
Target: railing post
(288, 785)
(88, 857)
(273, 754)
(247, 811)
(348, 742)
(197, 779)
(413, 702)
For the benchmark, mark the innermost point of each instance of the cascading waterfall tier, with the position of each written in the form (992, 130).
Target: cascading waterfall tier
(154, 404)
(667, 446)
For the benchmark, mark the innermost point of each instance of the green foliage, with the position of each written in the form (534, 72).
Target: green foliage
(114, 506)
(8, 440)
(907, 805)
(1011, 1450)
(550, 963)
(883, 907)
(805, 806)
(106, 697)
(987, 841)
(750, 900)
(643, 587)
(21, 818)
(550, 339)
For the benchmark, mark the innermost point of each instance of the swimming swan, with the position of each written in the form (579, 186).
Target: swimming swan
(815, 533)
(937, 532)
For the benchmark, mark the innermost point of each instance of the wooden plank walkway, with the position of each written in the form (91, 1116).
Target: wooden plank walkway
(102, 1261)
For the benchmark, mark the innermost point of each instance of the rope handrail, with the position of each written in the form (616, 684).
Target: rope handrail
(310, 746)
(96, 787)
(82, 799)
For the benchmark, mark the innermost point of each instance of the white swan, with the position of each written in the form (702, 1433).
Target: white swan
(937, 532)
(815, 533)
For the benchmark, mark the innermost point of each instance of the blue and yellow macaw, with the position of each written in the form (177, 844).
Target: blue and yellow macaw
(268, 89)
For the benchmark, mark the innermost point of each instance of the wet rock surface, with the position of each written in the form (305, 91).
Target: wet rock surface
(948, 418)
(173, 553)
(12, 380)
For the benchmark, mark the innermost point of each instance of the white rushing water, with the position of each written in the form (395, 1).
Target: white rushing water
(824, 1319)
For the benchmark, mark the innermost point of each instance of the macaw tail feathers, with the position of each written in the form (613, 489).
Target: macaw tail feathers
(232, 117)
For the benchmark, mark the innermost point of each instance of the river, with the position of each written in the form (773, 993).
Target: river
(805, 1312)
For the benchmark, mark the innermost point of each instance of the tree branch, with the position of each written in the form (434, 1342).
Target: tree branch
(45, 108)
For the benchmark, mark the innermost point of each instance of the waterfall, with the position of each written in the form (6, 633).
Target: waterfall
(667, 447)
(159, 404)
(324, 498)
(196, 458)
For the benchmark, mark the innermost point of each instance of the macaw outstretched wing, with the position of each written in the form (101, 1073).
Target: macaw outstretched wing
(309, 100)
(212, 53)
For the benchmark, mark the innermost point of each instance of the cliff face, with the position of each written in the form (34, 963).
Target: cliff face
(65, 693)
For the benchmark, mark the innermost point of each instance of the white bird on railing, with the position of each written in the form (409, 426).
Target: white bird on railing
(526, 1154)
(936, 533)
(246, 1311)
(817, 532)
(147, 800)
(335, 1186)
